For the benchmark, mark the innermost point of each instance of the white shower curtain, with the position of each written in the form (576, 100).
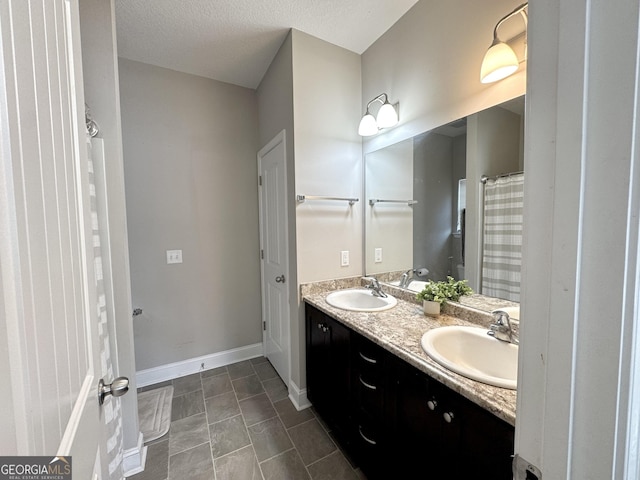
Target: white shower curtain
(502, 237)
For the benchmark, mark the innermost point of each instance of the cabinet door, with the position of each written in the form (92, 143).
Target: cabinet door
(328, 372)
(473, 443)
(317, 359)
(484, 441)
(339, 378)
(416, 428)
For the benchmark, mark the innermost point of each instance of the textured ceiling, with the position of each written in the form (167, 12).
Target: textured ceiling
(234, 41)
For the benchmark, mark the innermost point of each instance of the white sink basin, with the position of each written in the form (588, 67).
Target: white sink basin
(360, 300)
(469, 351)
(415, 285)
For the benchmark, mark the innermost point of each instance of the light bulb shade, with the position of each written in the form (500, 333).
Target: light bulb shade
(387, 116)
(499, 62)
(368, 126)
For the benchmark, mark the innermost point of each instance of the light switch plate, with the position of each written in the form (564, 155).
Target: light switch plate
(377, 255)
(344, 258)
(174, 256)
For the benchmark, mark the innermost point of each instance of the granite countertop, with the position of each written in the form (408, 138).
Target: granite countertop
(399, 331)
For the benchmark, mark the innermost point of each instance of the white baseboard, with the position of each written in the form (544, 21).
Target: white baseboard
(134, 459)
(194, 365)
(298, 396)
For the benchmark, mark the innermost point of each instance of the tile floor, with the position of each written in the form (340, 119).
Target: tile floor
(237, 422)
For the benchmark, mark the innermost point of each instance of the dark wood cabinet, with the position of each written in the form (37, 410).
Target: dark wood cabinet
(440, 432)
(396, 421)
(369, 405)
(328, 372)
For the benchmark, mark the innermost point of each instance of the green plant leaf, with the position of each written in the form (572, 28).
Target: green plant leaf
(443, 291)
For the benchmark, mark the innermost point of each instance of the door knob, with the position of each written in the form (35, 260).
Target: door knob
(117, 388)
(280, 279)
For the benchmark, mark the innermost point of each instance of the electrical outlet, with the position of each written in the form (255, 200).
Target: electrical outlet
(377, 255)
(344, 258)
(174, 256)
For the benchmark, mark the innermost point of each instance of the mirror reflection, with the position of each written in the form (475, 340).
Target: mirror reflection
(448, 202)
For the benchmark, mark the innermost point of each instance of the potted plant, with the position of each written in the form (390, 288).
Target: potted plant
(435, 294)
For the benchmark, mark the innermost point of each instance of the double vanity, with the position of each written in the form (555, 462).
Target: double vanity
(397, 387)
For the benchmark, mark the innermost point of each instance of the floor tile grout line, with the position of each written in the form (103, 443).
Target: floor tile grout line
(253, 448)
(226, 372)
(331, 439)
(326, 456)
(233, 389)
(262, 421)
(293, 445)
(206, 419)
(187, 449)
(296, 449)
(222, 393)
(277, 455)
(310, 420)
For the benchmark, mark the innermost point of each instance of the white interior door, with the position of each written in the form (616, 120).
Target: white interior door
(48, 294)
(274, 253)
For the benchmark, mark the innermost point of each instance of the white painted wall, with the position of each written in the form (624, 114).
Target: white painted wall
(328, 162)
(389, 175)
(328, 155)
(191, 184)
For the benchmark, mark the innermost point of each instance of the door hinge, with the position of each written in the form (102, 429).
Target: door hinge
(264, 325)
(260, 180)
(261, 254)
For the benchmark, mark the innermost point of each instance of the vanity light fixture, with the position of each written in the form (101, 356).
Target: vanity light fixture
(500, 61)
(387, 117)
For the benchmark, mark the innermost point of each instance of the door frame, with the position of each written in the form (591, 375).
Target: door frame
(280, 138)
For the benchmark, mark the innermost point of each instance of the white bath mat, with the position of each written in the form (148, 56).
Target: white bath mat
(154, 410)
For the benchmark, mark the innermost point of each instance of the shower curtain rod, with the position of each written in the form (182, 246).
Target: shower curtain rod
(484, 178)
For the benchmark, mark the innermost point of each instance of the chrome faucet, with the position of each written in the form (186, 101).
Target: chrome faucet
(501, 328)
(375, 287)
(406, 278)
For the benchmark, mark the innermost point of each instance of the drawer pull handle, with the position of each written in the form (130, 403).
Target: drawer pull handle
(368, 440)
(367, 359)
(368, 385)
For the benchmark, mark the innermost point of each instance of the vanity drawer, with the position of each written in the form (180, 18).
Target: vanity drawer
(370, 451)
(368, 358)
(368, 376)
(369, 394)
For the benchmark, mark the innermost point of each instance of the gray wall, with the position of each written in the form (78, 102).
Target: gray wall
(275, 107)
(493, 148)
(432, 173)
(429, 61)
(191, 183)
(459, 172)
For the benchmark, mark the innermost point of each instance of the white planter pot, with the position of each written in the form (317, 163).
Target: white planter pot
(431, 308)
